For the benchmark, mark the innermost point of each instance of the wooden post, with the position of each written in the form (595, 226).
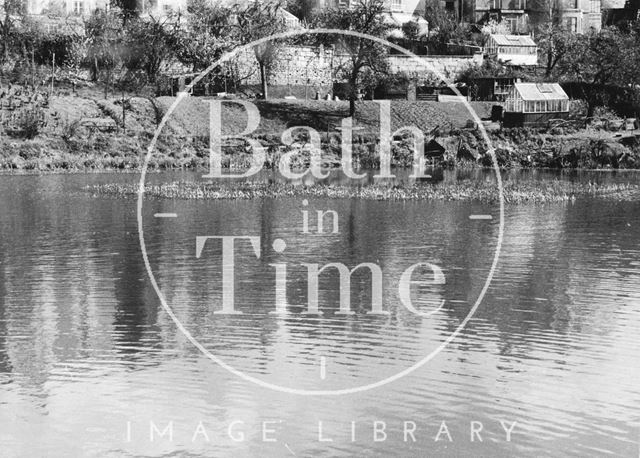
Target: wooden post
(53, 71)
(124, 113)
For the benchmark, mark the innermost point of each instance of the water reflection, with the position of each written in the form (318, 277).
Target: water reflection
(85, 347)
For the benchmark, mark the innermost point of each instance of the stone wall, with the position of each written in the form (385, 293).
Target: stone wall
(422, 68)
(305, 65)
(303, 71)
(295, 66)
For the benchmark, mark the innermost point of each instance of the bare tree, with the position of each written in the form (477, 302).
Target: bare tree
(207, 33)
(554, 44)
(150, 42)
(10, 13)
(598, 60)
(367, 17)
(257, 20)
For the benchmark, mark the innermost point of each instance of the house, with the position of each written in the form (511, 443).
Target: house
(398, 12)
(155, 8)
(393, 6)
(513, 13)
(531, 104)
(524, 16)
(578, 15)
(62, 8)
(620, 11)
(512, 49)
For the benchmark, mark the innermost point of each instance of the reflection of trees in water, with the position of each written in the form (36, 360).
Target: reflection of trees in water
(5, 362)
(516, 305)
(564, 268)
(601, 242)
(51, 283)
(136, 307)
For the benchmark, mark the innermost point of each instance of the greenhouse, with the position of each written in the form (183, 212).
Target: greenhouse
(535, 103)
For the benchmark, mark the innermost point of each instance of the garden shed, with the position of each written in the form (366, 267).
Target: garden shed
(530, 104)
(512, 49)
(492, 88)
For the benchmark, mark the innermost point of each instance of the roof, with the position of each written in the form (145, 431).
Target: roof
(290, 19)
(512, 40)
(397, 19)
(540, 91)
(434, 149)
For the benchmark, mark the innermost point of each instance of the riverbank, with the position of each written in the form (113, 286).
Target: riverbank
(466, 190)
(92, 133)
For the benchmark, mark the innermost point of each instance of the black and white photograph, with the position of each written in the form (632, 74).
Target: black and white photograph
(319, 228)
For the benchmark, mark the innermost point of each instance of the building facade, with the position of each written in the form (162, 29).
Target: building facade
(404, 6)
(525, 16)
(578, 15)
(512, 13)
(64, 7)
(519, 16)
(156, 8)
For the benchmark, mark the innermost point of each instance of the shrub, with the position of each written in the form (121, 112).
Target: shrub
(27, 123)
(70, 130)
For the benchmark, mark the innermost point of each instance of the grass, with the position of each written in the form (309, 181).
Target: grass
(191, 116)
(513, 192)
(72, 138)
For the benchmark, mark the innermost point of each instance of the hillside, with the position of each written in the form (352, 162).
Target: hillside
(191, 116)
(84, 132)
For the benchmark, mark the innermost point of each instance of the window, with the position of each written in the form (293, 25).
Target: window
(513, 4)
(545, 88)
(595, 6)
(571, 24)
(567, 4)
(396, 4)
(78, 7)
(507, 4)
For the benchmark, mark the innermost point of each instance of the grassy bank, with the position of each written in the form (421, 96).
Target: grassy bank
(514, 193)
(84, 133)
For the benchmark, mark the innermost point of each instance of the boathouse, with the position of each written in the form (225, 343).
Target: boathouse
(534, 104)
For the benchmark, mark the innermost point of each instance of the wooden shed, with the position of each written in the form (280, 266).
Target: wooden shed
(530, 104)
(512, 49)
(434, 150)
(493, 88)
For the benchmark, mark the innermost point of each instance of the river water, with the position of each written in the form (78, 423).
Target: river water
(92, 364)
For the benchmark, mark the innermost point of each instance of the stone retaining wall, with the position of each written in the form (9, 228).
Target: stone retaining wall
(420, 68)
(318, 67)
(294, 66)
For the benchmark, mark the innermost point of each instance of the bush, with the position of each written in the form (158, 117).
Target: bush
(27, 123)
(69, 132)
